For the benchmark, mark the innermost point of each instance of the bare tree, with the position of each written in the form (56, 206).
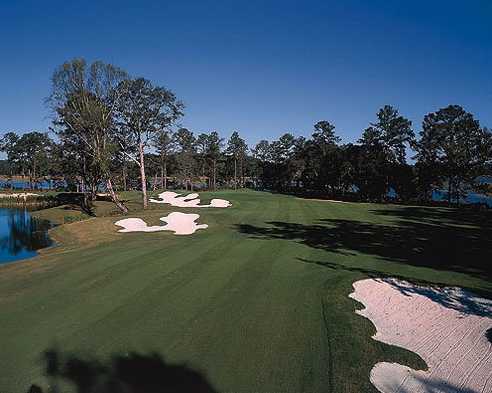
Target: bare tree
(84, 101)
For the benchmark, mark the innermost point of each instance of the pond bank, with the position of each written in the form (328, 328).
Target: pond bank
(21, 234)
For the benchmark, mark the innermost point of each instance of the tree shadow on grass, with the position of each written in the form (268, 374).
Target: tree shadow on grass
(441, 216)
(488, 334)
(434, 384)
(456, 299)
(452, 298)
(132, 373)
(410, 239)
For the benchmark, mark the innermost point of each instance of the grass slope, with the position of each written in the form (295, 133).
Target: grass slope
(257, 302)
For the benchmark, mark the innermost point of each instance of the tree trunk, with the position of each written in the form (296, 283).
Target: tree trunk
(84, 175)
(162, 176)
(154, 182)
(114, 197)
(457, 193)
(33, 175)
(165, 175)
(235, 173)
(215, 177)
(241, 173)
(94, 190)
(124, 178)
(142, 175)
(449, 191)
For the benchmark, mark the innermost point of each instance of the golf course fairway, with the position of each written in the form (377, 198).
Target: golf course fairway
(257, 302)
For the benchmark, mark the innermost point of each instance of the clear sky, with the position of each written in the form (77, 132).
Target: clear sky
(261, 67)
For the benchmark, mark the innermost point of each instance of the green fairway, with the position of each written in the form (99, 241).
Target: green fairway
(258, 302)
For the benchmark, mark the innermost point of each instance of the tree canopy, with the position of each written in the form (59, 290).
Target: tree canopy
(112, 130)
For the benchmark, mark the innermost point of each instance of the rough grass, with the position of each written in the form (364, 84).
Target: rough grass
(257, 302)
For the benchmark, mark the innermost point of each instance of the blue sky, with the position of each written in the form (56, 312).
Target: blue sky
(260, 67)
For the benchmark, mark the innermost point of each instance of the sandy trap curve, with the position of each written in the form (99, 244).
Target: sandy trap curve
(448, 327)
(190, 200)
(179, 223)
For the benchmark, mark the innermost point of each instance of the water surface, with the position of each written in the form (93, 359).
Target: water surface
(21, 235)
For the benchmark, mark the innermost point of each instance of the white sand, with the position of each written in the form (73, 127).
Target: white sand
(20, 195)
(446, 327)
(190, 200)
(179, 223)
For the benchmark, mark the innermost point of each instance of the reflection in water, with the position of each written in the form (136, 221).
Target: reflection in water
(21, 235)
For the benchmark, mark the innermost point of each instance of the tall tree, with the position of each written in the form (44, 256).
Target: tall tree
(214, 147)
(324, 135)
(452, 141)
(298, 161)
(394, 132)
(202, 142)
(384, 144)
(84, 101)
(261, 154)
(67, 161)
(34, 149)
(186, 145)
(143, 110)
(8, 145)
(372, 174)
(237, 149)
(164, 144)
(276, 162)
(323, 149)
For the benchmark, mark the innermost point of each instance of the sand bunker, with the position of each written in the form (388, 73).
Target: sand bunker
(448, 327)
(179, 223)
(190, 200)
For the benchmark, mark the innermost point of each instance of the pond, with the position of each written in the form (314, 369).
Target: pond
(21, 235)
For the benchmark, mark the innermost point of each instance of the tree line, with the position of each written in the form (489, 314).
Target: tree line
(119, 132)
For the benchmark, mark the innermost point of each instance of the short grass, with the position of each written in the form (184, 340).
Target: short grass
(257, 302)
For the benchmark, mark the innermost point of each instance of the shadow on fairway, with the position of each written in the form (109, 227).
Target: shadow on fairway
(489, 335)
(131, 373)
(435, 238)
(440, 216)
(464, 302)
(436, 385)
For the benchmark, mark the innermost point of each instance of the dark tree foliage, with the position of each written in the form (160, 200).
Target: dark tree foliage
(29, 154)
(237, 151)
(322, 156)
(165, 145)
(214, 151)
(384, 145)
(452, 151)
(185, 156)
(110, 128)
